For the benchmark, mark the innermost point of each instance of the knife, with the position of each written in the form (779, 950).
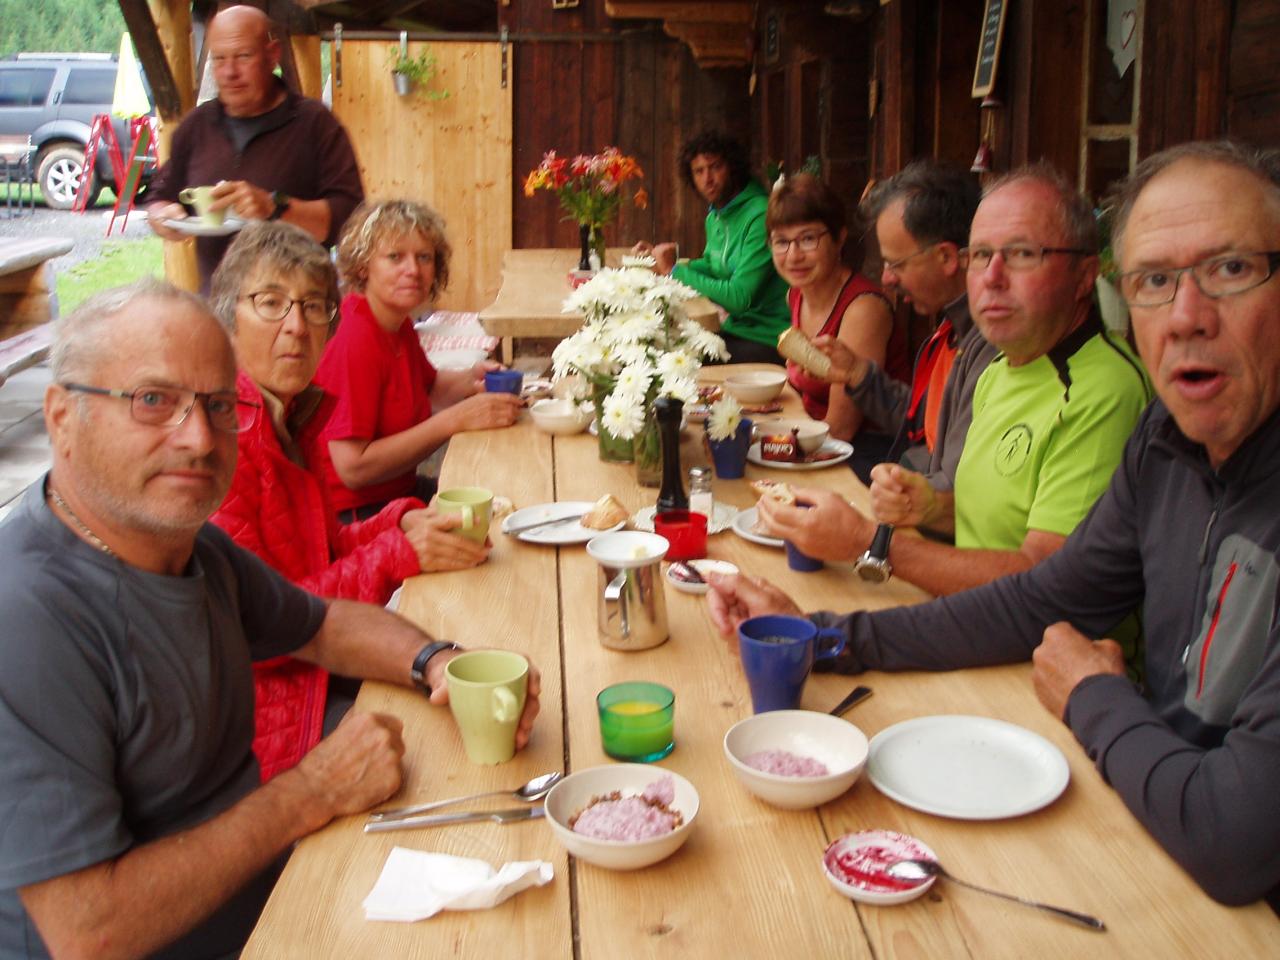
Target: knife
(511, 531)
(857, 695)
(434, 820)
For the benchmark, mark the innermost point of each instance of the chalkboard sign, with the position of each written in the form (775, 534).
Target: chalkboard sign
(984, 72)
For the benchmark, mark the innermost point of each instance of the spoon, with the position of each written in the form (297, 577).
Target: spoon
(922, 869)
(535, 789)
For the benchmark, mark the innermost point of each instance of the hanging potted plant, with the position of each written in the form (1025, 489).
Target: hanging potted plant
(414, 73)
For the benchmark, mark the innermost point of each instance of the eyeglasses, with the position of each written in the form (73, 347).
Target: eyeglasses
(274, 307)
(1220, 276)
(170, 406)
(896, 265)
(1016, 256)
(807, 242)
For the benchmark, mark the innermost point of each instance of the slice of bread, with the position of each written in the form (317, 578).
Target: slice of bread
(607, 512)
(777, 489)
(796, 347)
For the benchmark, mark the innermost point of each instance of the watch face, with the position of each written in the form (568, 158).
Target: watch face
(873, 569)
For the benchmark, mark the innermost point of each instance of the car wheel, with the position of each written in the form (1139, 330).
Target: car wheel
(58, 174)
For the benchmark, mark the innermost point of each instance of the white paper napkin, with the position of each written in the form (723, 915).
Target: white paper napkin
(416, 884)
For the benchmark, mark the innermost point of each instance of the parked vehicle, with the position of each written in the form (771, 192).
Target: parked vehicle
(52, 98)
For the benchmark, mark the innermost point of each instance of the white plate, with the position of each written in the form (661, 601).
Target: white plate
(703, 567)
(744, 524)
(564, 533)
(842, 448)
(721, 520)
(197, 227)
(969, 768)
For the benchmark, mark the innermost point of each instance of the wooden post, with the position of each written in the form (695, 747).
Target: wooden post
(306, 57)
(173, 25)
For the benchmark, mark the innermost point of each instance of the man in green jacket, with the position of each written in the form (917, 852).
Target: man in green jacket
(735, 270)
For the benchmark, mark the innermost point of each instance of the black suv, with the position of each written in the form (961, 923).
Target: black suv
(52, 98)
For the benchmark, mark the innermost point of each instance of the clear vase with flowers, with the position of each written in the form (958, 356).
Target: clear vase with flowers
(636, 344)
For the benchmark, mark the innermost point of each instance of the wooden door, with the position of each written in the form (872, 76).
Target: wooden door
(453, 154)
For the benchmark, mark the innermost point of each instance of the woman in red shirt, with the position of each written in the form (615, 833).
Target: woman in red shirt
(806, 223)
(393, 408)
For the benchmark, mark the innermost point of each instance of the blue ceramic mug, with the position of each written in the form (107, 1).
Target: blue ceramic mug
(777, 654)
(503, 381)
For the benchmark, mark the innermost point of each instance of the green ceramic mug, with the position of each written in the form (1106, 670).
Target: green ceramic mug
(201, 198)
(486, 694)
(474, 503)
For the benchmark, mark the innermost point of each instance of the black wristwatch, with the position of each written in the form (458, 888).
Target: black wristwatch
(418, 672)
(281, 201)
(873, 566)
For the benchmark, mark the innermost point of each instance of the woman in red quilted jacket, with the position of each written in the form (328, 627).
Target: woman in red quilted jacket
(276, 293)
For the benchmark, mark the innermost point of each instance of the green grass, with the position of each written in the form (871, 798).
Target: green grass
(121, 261)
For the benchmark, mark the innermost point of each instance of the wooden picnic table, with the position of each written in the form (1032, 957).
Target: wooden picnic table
(534, 287)
(749, 882)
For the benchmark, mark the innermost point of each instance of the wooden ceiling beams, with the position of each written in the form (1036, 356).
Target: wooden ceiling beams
(719, 32)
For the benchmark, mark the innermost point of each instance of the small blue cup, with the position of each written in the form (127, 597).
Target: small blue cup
(777, 654)
(503, 381)
(801, 562)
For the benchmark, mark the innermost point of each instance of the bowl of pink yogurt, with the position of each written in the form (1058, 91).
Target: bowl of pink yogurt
(622, 816)
(796, 759)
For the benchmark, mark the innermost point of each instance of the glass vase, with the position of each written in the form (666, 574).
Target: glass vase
(612, 449)
(648, 452)
(591, 243)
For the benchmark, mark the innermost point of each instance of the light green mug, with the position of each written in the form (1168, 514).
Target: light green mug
(487, 690)
(201, 198)
(474, 503)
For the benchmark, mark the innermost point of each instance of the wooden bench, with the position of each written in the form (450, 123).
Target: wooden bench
(27, 301)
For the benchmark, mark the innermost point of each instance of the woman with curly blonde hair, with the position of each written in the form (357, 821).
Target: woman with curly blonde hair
(394, 408)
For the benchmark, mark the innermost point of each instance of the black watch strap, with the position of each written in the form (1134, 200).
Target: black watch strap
(281, 201)
(418, 672)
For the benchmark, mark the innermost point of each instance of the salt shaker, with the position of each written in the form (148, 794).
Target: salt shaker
(701, 499)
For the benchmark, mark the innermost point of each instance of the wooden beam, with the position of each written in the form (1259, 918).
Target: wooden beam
(725, 11)
(142, 29)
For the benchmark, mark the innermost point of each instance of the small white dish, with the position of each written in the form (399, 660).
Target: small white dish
(967, 768)
(744, 525)
(857, 865)
(836, 744)
(722, 518)
(559, 417)
(703, 567)
(456, 359)
(571, 531)
(841, 451)
(755, 387)
(811, 433)
(575, 792)
(199, 227)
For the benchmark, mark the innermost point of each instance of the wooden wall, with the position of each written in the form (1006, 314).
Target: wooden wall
(1253, 80)
(622, 83)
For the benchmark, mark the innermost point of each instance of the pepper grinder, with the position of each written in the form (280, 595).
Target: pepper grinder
(671, 494)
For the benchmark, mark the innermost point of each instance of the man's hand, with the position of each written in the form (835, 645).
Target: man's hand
(437, 548)
(665, 254)
(356, 766)
(828, 529)
(247, 201)
(736, 597)
(901, 496)
(1064, 658)
(161, 211)
(484, 411)
(642, 249)
(440, 692)
(846, 366)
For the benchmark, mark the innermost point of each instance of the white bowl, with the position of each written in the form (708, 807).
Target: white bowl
(870, 853)
(836, 743)
(759, 386)
(812, 433)
(559, 416)
(576, 791)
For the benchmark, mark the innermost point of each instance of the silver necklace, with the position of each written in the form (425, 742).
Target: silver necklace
(92, 537)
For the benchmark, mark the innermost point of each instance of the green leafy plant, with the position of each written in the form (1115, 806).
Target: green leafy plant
(419, 71)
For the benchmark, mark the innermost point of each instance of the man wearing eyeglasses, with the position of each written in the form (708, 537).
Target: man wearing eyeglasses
(268, 153)
(134, 822)
(1050, 414)
(1188, 529)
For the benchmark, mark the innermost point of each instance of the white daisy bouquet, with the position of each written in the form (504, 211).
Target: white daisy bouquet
(637, 343)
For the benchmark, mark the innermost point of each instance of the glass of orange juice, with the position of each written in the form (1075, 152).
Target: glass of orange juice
(637, 721)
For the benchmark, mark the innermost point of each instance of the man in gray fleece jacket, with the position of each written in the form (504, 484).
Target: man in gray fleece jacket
(1188, 529)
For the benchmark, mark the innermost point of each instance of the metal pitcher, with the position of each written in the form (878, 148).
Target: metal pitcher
(631, 604)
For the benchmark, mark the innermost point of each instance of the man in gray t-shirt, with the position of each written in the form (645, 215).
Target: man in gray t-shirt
(131, 807)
